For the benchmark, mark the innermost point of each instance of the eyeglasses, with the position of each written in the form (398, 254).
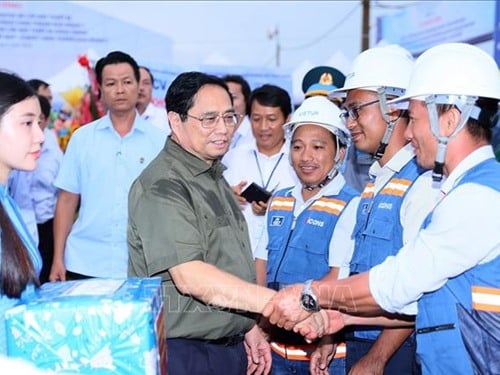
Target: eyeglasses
(209, 121)
(353, 112)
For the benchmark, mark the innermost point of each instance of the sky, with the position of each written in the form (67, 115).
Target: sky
(248, 33)
(238, 32)
(294, 35)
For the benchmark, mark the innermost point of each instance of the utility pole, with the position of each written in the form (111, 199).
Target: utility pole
(365, 28)
(275, 34)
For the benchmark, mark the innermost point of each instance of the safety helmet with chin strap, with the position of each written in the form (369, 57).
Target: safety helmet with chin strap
(385, 70)
(451, 73)
(318, 110)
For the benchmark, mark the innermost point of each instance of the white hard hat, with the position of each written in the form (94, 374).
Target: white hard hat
(318, 110)
(388, 66)
(451, 73)
(453, 69)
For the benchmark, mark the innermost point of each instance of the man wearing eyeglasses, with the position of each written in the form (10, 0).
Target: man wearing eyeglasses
(186, 226)
(393, 204)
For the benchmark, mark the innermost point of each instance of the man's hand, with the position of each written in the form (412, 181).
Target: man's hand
(368, 365)
(237, 189)
(322, 356)
(284, 309)
(258, 352)
(324, 322)
(57, 271)
(259, 208)
(313, 327)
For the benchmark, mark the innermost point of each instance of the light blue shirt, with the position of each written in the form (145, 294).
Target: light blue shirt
(100, 166)
(43, 191)
(19, 187)
(14, 214)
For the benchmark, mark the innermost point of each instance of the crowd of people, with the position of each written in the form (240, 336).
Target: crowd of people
(373, 247)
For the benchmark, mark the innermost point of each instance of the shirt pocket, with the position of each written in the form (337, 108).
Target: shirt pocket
(381, 229)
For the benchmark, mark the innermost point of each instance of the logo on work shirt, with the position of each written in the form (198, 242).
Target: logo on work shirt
(277, 221)
(385, 206)
(315, 222)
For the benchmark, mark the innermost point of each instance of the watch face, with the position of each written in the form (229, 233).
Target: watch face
(309, 303)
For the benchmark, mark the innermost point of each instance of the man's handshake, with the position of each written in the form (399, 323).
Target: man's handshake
(286, 311)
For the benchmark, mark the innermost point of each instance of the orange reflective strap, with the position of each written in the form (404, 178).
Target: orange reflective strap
(303, 352)
(486, 298)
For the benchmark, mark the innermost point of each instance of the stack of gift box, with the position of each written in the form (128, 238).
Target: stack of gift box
(94, 326)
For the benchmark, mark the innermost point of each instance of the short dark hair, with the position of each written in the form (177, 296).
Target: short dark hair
(272, 96)
(115, 57)
(149, 72)
(481, 128)
(185, 86)
(36, 83)
(245, 87)
(44, 105)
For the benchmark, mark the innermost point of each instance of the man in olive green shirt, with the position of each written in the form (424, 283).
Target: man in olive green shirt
(186, 226)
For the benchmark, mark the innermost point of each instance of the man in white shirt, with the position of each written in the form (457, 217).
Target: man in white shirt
(148, 111)
(240, 92)
(388, 215)
(266, 163)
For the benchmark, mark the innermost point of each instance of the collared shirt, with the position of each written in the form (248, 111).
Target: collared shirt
(100, 166)
(341, 243)
(356, 166)
(463, 233)
(419, 200)
(415, 206)
(157, 116)
(181, 209)
(270, 172)
(44, 193)
(243, 136)
(12, 210)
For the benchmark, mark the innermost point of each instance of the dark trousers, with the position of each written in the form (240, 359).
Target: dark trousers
(46, 248)
(189, 357)
(76, 276)
(403, 361)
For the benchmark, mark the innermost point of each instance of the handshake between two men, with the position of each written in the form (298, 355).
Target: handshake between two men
(297, 308)
(344, 302)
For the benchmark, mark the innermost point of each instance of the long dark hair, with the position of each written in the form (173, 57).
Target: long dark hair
(17, 269)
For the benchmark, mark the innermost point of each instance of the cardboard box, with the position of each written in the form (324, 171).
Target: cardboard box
(94, 326)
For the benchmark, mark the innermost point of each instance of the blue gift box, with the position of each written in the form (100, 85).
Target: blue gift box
(93, 326)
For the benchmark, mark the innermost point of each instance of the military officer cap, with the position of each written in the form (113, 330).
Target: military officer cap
(321, 80)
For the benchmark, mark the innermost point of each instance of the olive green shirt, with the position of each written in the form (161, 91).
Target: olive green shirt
(181, 209)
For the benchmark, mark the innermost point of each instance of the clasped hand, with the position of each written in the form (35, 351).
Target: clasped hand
(285, 311)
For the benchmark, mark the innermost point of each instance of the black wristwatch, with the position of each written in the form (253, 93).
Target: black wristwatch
(308, 299)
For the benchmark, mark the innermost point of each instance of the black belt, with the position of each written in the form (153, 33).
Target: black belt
(227, 341)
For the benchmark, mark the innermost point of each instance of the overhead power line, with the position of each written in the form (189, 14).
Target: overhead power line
(325, 34)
